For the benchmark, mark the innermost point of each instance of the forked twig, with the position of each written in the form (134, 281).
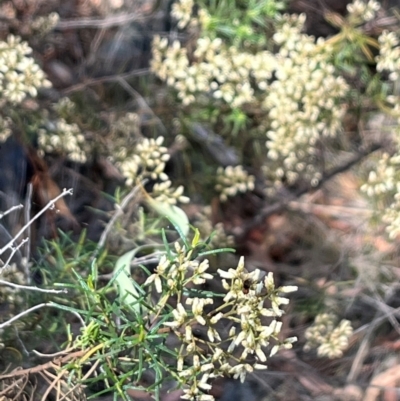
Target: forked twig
(10, 210)
(14, 250)
(30, 222)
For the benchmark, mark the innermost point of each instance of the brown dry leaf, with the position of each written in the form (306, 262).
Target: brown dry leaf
(381, 382)
(46, 190)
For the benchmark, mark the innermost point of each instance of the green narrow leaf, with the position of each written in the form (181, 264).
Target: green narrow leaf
(222, 250)
(166, 245)
(196, 238)
(93, 271)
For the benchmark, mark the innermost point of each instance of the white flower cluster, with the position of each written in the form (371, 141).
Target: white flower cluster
(361, 11)
(5, 131)
(383, 187)
(182, 11)
(178, 272)
(62, 138)
(233, 180)
(330, 338)
(389, 54)
(385, 178)
(303, 103)
(249, 306)
(223, 72)
(165, 193)
(148, 160)
(244, 305)
(19, 74)
(45, 24)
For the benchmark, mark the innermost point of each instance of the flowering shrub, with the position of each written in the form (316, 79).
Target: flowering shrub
(304, 104)
(220, 70)
(300, 108)
(298, 93)
(383, 183)
(20, 76)
(229, 332)
(243, 309)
